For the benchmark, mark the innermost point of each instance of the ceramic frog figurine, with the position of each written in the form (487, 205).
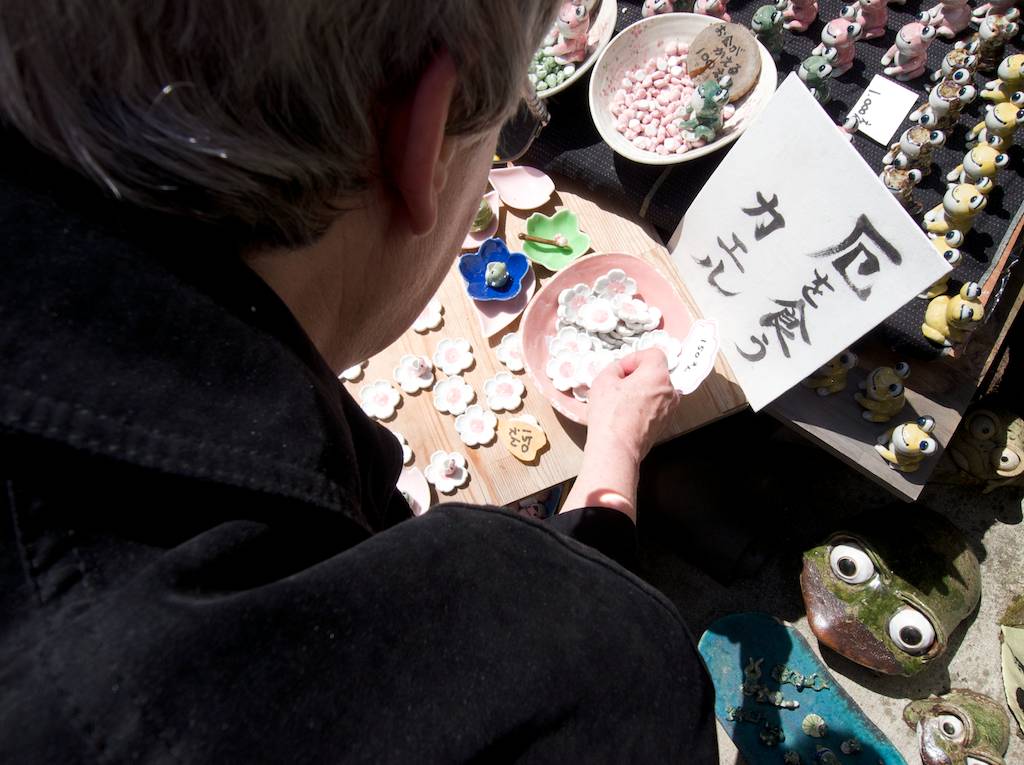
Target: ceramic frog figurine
(993, 33)
(1010, 80)
(882, 393)
(962, 727)
(1000, 123)
(908, 56)
(767, 26)
(901, 184)
(960, 206)
(840, 35)
(816, 71)
(799, 14)
(870, 14)
(949, 17)
(962, 56)
(907, 445)
(989, 447)
(702, 119)
(950, 319)
(714, 8)
(831, 377)
(979, 167)
(655, 7)
(1011, 635)
(914, 149)
(573, 24)
(946, 100)
(886, 594)
(948, 247)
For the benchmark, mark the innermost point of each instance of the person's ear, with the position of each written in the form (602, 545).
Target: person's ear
(416, 154)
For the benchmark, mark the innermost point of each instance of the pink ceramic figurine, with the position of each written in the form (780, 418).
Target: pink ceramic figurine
(800, 14)
(999, 7)
(654, 7)
(573, 25)
(714, 8)
(949, 17)
(839, 34)
(910, 53)
(870, 14)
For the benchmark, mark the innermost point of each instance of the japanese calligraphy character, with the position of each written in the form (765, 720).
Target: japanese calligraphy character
(815, 288)
(766, 206)
(715, 273)
(786, 322)
(760, 353)
(861, 245)
(731, 251)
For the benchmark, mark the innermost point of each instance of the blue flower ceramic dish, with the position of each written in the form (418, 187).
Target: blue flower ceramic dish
(492, 272)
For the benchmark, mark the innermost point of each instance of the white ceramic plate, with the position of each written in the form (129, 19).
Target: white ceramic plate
(598, 35)
(645, 39)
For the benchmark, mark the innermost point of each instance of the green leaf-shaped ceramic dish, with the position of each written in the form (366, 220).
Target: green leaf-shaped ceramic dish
(553, 258)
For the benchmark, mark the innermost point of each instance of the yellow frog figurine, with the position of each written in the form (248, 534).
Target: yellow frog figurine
(960, 205)
(884, 394)
(948, 247)
(950, 319)
(905, 447)
(1009, 82)
(831, 376)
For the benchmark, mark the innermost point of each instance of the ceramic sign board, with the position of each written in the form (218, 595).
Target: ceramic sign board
(882, 107)
(796, 248)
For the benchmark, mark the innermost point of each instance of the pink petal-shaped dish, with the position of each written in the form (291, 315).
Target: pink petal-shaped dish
(539, 320)
(473, 241)
(495, 315)
(414, 483)
(524, 188)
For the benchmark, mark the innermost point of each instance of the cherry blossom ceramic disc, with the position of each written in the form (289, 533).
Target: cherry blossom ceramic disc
(524, 188)
(473, 241)
(539, 320)
(414, 483)
(495, 315)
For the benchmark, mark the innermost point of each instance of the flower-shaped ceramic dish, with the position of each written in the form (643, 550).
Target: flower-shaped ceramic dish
(477, 269)
(538, 322)
(554, 258)
(602, 27)
(645, 39)
(510, 351)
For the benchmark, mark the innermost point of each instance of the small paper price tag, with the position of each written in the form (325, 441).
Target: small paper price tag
(522, 436)
(882, 108)
(725, 49)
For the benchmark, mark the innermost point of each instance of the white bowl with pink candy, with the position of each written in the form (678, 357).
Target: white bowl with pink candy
(666, 37)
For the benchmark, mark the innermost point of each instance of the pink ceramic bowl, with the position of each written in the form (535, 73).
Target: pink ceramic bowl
(539, 320)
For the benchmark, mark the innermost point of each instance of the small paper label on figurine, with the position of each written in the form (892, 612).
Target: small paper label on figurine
(882, 108)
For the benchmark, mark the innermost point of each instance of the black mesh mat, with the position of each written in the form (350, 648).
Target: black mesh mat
(571, 146)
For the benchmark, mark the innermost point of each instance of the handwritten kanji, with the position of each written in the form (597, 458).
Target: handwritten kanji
(765, 207)
(862, 247)
(815, 288)
(786, 322)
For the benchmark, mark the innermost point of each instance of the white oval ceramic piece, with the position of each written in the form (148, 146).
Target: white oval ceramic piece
(430, 317)
(476, 426)
(413, 485)
(379, 400)
(447, 471)
(453, 355)
(524, 188)
(352, 373)
(504, 392)
(407, 454)
(452, 395)
(414, 373)
(510, 351)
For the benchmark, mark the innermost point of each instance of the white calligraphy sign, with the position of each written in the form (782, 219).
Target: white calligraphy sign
(795, 248)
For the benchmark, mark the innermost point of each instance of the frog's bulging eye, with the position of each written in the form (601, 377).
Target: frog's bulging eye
(850, 563)
(911, 631)
(982, 427)
(1008, 459)
(950, 726)
(895, 389)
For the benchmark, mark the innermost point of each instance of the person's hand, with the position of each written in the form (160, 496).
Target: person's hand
(629, 404)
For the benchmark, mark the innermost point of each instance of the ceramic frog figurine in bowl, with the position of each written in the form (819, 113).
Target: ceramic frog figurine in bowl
(887, 595)
(702, 120)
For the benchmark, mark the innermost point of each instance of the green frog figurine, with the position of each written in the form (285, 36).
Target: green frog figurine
(767, 26)
(989, 447)
(702, 116)
(816, 71)
(961, 727)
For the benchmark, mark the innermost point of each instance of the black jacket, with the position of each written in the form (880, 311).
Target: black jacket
(203, 557)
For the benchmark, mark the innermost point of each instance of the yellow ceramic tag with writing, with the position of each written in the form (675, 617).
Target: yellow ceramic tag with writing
(522, 435)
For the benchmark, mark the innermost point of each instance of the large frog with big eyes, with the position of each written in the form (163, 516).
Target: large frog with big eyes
(989, 447)
(887, 591)
(962, 727)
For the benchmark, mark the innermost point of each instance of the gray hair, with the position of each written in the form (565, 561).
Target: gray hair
(254, 114)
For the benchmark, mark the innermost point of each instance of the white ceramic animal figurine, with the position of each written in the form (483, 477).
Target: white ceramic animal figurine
(993, 34)
(946, 100)
(1009, 82)
(914, 149)
(995, 6)
(1000, 123)
(870, 14)
(654, 7)
(949, 17)
(907, 58)
(839, 34)
(800, 14)
(714, 8)
(962, 56)
(573, 25)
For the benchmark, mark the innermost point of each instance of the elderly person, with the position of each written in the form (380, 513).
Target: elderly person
(208, 210)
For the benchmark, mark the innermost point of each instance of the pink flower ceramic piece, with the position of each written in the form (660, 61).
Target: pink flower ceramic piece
(473, 240)
(570, 339)
(453, 355)
(615, 283)
(447, 471)
(631, 310)
(564, 370)
(414, 373)
(476, 426)
(406, 449)
(504, 392)
(664, 342)
(510, 351)
(495, 315)
(352, 373)
(414, 487)
(597, 316)
(524, 188)
(452, 395)
(379, 400)
(593, 364)
(571, 300)
(430, 317)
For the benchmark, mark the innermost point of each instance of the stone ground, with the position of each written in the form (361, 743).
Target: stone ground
(735, 543)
